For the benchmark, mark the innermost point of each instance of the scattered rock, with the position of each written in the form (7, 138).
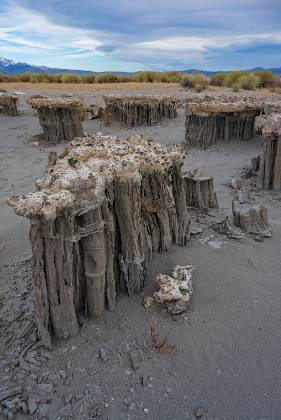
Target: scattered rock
(176, 307)
(127, 401)
(195, 229)
(43, 409)
(68, 398)
(226, 228)
(147, 301)
(199, 412)
(97, 411)
(144, 380)
(104, 355)
(175, 291)
(136, 358)
(259, 238)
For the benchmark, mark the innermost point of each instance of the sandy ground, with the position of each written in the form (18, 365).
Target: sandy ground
(226, 359)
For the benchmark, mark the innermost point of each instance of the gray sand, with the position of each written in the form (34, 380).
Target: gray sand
(226, 361)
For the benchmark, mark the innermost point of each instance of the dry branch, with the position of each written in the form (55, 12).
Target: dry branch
(159, 344)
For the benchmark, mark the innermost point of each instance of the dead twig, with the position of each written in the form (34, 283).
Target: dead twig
(160, 344)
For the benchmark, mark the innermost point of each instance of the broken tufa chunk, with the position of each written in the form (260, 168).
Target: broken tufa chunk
(175, 292)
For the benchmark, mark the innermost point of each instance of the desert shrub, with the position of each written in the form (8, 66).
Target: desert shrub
(47, 78)
(187, 81)
(197, 81)
(151, 77)
(39, 77)
(248, 81)
(236, 86)
(33, 79)
(268, 79)
(107, 78)
(144, 77)
(160, 77)
(2, 78)
(88, 78)
(13, 79)
(218, 79)
(233, 77)
(124, 78)
(71, 78)
(173, 77)
(25, 77)
(57, 78)
(200, 82)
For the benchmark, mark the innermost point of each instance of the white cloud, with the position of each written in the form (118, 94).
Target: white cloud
(170, 35)
(203, 44)
(25, 27)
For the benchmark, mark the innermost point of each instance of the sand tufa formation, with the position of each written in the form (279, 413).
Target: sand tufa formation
(223, 118)
(269, 175)
(60, 118)
(102, 210)
(138, 110)
(199, 190)
(9, 105)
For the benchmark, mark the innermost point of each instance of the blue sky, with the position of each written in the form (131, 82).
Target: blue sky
(134, 35)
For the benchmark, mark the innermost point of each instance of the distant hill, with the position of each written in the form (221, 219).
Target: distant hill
(276, 70)
(11, 67)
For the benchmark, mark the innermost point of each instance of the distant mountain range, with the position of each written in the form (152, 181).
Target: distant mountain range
(11, 67)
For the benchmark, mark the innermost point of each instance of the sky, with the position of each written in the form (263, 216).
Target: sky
(129, 35)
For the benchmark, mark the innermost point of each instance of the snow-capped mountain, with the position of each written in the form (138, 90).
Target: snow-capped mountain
(12, 67)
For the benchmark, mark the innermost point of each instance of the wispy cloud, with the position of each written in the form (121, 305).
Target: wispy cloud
(32, 29)
(184, 43)
(158, 34)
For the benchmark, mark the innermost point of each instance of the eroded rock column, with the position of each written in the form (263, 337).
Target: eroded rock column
(61, 119)
(138, 110)
(103, 209)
